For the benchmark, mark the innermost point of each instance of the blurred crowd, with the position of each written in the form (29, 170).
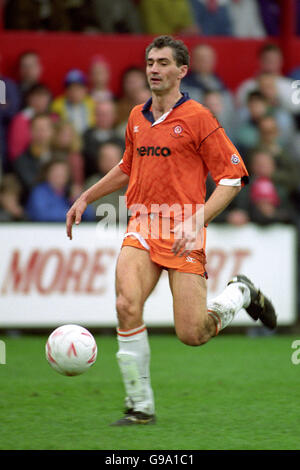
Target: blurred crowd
(54, 147)
(238, 18)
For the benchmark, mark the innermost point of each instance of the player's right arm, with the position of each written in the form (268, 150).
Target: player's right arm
(115, 179)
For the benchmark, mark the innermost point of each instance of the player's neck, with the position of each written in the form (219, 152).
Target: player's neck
(161, 104)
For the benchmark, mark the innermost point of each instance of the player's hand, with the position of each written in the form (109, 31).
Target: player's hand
(185, 241)
(74, 215)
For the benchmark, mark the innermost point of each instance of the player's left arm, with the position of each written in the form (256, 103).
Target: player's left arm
(219, 200)
(228, 172)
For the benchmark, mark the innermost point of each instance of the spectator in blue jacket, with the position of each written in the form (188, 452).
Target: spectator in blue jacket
(49, 201)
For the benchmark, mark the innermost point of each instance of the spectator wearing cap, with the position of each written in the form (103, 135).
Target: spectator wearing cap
(75, 105)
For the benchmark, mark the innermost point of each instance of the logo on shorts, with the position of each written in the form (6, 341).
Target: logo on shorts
(189, 259)
(235, 159)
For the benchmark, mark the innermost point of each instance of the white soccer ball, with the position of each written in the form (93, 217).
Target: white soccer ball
(71, 350)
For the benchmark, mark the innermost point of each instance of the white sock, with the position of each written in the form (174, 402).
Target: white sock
(225, 306)
(134, 362)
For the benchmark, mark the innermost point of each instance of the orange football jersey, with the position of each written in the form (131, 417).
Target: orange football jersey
(168, 160)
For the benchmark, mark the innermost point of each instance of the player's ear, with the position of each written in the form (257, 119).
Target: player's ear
(183, 71)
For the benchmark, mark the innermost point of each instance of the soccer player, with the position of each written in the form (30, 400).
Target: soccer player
(172, 142)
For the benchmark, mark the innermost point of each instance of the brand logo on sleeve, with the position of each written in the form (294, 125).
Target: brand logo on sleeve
(235, 159)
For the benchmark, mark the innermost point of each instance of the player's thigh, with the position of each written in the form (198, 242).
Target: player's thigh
(189, 304)
(136, 277)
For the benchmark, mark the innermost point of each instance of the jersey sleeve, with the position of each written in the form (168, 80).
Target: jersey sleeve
(125, 163)
(221, 157)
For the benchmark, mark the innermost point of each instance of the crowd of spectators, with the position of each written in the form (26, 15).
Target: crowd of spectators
(54, 147)
(238, 18)
(262, 120)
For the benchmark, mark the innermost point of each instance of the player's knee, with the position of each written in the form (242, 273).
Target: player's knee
(193, 338)
(128, 311)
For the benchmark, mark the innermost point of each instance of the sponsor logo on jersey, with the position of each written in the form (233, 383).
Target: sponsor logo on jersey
(189, 259)
(153, 151)
(235, 159)
(136, 128)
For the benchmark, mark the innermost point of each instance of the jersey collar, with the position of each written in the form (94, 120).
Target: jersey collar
(148, 113)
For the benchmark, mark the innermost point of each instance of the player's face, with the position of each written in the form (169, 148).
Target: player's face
(163, 74)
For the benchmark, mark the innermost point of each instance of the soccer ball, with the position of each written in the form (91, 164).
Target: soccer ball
(71, 350)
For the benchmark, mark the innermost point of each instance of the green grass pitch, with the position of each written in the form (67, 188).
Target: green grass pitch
(235, 392)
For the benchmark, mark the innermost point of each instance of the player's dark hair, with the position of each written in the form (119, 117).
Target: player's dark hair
(180, 51)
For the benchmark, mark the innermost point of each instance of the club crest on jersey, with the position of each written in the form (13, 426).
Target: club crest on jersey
(177, 131)
(235, 159)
